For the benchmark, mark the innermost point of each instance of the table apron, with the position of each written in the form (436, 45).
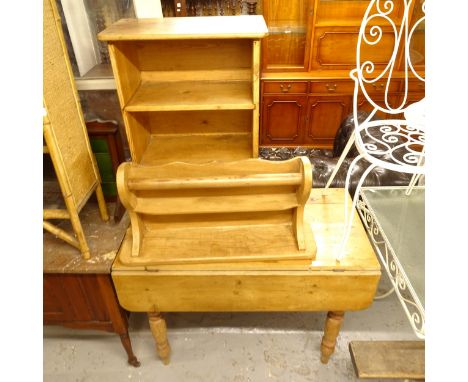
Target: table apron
(240, 293)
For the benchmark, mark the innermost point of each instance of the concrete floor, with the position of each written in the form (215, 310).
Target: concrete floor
(238, 347)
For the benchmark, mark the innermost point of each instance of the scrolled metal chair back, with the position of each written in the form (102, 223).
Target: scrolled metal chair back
(385, 19)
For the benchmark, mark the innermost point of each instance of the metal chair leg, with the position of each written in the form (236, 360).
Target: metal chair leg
(342, 158)
(349, 222)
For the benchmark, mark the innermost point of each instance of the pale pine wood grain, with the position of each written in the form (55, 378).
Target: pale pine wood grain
(191, 95)
(225, 190)
(332, 328)
(303, 193)
(234, 292)
(200, 122)
(226, 182)
(231, 74)
(324, 213)
(286, 285)
(184, 65)
(159, 331)
(126, 72)
(214, 204)
(138, 135)
(255, 95)
(216, 55)
(218, 244)
(174, 28)
(195, 148)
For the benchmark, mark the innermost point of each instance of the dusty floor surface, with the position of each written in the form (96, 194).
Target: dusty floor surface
(237, 347)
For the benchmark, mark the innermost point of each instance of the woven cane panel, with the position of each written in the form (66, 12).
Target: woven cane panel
(65, 115)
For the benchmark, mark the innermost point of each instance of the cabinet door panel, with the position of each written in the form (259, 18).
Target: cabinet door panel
(282, 120)
(339, 12)
(335, 48)
(72, 298)
(287, 45)
(54, 300)
(325, 114)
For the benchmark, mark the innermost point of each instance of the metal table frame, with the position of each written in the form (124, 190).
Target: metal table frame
(407, 295)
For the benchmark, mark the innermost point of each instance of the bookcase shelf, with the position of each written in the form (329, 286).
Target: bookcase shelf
(196, 148)
(191, 95)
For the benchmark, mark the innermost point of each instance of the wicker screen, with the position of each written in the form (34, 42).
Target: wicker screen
(67, 129)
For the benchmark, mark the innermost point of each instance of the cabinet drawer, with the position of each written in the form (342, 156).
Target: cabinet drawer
(347, 87)
(414, 86)
(380, 86)
(284, 87)
(332, 86)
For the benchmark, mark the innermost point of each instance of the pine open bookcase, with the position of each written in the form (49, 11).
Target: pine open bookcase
(188, 87)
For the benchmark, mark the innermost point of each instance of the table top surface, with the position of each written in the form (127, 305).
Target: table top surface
(181, 28)
(325, 214)
(104, 239)
(401, 219)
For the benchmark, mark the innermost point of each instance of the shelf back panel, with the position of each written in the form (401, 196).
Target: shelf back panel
(200, 122)
(193, 54)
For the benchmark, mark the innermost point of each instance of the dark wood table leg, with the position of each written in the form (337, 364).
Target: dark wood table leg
(119, 210)
(332, 328)
(118, 317)
(132, 360)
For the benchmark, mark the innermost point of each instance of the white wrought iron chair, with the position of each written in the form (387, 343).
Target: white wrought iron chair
(397, 143)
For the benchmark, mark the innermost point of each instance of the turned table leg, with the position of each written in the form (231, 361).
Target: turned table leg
(125, 339)
(332, 328)
(159, 331)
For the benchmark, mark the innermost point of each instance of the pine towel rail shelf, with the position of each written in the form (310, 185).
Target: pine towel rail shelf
(179, 218)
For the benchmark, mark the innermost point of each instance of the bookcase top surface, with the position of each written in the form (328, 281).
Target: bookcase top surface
(181, 28)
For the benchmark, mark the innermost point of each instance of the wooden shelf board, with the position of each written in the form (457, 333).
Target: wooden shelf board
(195, 148)
(191, 95)
(388, 359)
(182, 28)
(191, 245)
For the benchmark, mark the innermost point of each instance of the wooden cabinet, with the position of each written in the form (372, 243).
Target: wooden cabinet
(303, 118)
(79, 293)
(189, 86)
(312, 45)
(85, 301)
